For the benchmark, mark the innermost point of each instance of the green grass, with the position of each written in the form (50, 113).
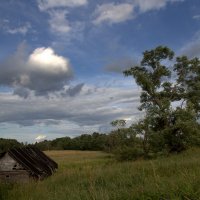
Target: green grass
(97, 176)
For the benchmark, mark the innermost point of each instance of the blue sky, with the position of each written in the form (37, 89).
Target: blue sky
(61, 61)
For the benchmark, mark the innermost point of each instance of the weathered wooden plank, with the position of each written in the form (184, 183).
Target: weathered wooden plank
(7, 163)
(14, 176)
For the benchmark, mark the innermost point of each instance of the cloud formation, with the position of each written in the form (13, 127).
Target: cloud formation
(73, 91)
(41, 72)
(60, 25)
(98, 107)
(119, 12)
(147, 5)
(22, 92)
(19, 30)
(197, 17)
(113, 13)
(49, 4)
(22, 29)
(45, 60)
(58, 22)
(40, 138)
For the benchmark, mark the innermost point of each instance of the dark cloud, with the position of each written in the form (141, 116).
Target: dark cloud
(120, 65)
(93, 109)
(22, 92)
(32, 122)
(73, 91)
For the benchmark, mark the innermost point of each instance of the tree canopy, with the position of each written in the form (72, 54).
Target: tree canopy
(170, 98)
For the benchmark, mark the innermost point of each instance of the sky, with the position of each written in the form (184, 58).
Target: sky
(62, 61)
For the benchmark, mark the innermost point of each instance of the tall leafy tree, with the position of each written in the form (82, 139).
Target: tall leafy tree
(170, 98)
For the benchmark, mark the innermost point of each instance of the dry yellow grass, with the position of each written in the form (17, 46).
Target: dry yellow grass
(74, 156)
(70, 153)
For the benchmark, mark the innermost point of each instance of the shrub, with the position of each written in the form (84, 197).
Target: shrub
(129, 153)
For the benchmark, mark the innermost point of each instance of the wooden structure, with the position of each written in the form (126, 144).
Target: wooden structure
(23, 164)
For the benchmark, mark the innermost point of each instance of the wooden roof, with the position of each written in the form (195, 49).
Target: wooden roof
(35, 161)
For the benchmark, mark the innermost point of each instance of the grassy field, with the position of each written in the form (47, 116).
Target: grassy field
(97, 176)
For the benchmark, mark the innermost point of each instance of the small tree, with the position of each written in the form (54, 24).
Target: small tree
(123, 142)
(117, 138)
(120, 123)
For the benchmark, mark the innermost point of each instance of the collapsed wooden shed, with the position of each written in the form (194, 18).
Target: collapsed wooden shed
(24, 164)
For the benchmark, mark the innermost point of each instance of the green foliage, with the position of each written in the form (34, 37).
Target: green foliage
(118, 123)
(95, 141)
(6, 144)
(125, 153)
(172, 106)
(119, 138)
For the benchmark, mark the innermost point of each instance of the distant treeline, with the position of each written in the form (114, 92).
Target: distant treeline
(124, 143)
(6, 144)
(94, 142)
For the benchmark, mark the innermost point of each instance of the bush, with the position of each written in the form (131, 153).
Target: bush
(128, 153)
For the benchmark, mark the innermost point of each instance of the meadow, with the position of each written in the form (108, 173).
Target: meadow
(87, 175)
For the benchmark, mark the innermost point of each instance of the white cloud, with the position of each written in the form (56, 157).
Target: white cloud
(42, 71)
(196, 17)
(58, 22)
(49, 4)
(147, 5)
(63, 28)
(18, 30)
(113, 13)
(66, 30)
(116, 13)
(45, 60)
(40, 137)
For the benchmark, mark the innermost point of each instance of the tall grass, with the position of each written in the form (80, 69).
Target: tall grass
(97, 176)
